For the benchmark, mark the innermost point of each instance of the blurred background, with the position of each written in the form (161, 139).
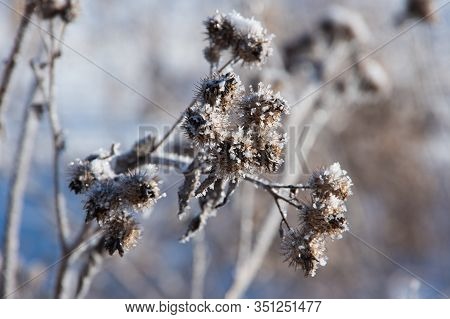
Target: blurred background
(390, 131)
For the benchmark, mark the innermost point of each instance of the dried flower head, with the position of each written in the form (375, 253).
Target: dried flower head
(80, 175)
(220, 90)
(303, 250)
(325, 217)
(237, 132)
(373, 77)
(132, 191)
(270, 152)
(262, 107)
(67, 10)
(422, 9)
(331, 180)
(204, 124)
(252, 43)
(247, 39)
(122, 233)
(340, 23)
(220, 31)
(139, 189)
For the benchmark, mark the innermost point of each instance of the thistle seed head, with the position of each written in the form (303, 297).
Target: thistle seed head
(303, 250)
(342, 24)
(331, 180)
(220, 90)
(421, 9)
(325, 217)
(133, 191)
(262, 107)
(67, 10)
(122, 233)
(248, 40)
(220, 31)
(80, 176)
(139, 189)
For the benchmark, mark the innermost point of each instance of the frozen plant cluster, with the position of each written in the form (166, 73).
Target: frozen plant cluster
(113, 200)
(236, 135)
(322, 218)
(237, 132)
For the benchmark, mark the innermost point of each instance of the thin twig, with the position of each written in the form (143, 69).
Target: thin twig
(17, 189)
(261, 182)
(276, 195)
(199, 265)
(246, 203)
(230, 62)
(80, 245)
(11, 61)
(90, 269)
(130, 161)
(172, 129)
(283, 215)
(58, 145)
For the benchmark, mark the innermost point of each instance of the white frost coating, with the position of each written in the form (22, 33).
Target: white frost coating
(102, 169)
(245, 26)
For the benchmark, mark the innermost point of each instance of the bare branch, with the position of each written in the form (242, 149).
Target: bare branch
(89, 270)
(33, 113)
(58, 144)
(84, 241)
(199, 265)
(12, 58)
(246, 203)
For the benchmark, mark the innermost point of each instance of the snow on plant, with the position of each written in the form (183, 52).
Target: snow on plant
(236, 134)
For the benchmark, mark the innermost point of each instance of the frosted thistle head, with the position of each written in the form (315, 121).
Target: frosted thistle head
(248, 40)
(139, 189)
(342, 24)
(421, 9)
(262, 107)
(303, 251)
(220, 90)
(122, 233)
(325, 217)
(331, 180)
(67, 10)
(80, 176)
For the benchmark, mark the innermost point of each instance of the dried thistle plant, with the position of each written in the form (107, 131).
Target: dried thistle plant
(237, 136)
